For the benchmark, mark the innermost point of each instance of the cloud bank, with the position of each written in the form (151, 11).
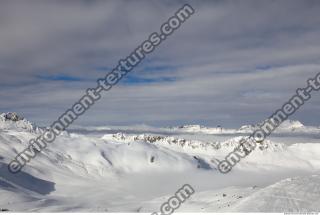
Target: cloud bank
(232, 63)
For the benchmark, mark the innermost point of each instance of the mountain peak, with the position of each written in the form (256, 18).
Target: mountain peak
(12, 116)
(12, 120)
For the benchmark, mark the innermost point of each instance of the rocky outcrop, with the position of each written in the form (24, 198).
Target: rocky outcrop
(14, 121)
(12, 116)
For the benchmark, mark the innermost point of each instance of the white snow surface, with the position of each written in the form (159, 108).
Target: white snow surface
(136, 169)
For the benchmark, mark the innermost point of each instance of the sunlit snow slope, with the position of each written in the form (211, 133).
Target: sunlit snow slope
(135, 169)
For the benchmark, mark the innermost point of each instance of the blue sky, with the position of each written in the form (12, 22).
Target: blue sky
(231, 63)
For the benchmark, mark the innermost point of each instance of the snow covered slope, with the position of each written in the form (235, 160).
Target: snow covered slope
(137, 172)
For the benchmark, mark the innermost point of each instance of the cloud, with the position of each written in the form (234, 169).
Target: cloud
(231, 63)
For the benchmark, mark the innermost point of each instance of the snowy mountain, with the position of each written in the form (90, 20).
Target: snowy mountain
(292, 126)
(14, 121)
(137, 172)
(203, 129)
